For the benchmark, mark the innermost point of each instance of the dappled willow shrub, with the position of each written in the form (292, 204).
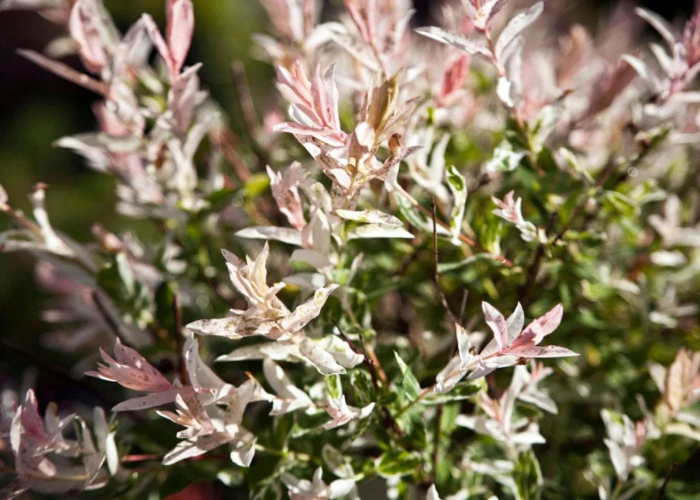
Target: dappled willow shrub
(424, 188)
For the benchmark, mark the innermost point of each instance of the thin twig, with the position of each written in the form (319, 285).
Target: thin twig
(462, 312)
(66, 72)
(453, 320)
(436, 441)
(226, 140)
(108, 318)
(245, 98)
(47, 366)
(463, 306)
(462, 237)
(608, 170)
(250, 117)
(443, 298)
(369, 362)
(179, 338)
(534, 269)
(153, 457)
(662, 490)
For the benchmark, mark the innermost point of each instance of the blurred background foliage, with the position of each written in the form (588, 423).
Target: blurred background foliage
(37, 108)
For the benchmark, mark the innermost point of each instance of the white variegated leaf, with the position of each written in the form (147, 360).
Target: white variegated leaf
(516, 26)
(221, 327)
(461, 42)
(283, 234)
(370, 231)
(321, 359)
(369, 217)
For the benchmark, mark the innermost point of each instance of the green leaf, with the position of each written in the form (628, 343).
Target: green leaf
(308, 423)
(334, 386)
(460, 392)
(387, 399)
(571, 159)
(398, 463)
(504, 159)
(363, 390)
(409, 382)
(458, 186)
(165, 305)
(527, 477)
(257, 185)
(416, 218)
(130, 295)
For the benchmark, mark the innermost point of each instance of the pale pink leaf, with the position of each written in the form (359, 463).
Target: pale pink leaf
(283, 234)
(150, 401)
(497, 323)
(160, 44)
(179, 30)
(541, 327)
(659, 24)
(549, 351)
(85, 32)
(65, 71)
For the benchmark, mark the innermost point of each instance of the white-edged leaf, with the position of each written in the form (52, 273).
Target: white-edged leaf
(272, 350)
(497, 323)
(414, 217)
(515, 322)
(487, 12)
(321, 359)
(516, 26)
(341, 351)
(432, 493)
(640, 67)
(504, 159)
(548, 351)
(290, 398)
(308, 310)
(369, 217)
(377, 231)
(461, 42)
(145, 402)
(458, 186)
(311, 257)
(220, 327)
(283, 234)
(503, 91)
(659, 24)
(3, 197)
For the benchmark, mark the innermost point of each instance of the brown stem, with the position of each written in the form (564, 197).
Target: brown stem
(667, 479)
(463, 238)
(436, 441)
(179, 338)
(366, 360)
(245, 98)
(152, 457)
(226, 140)
(436, 275)
(534, 269)
(250, 117)
(107, 316)
(463, 306)
(369, 362)
(56, 371)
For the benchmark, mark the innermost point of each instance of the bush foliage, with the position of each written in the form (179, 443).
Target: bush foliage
(442, 262)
